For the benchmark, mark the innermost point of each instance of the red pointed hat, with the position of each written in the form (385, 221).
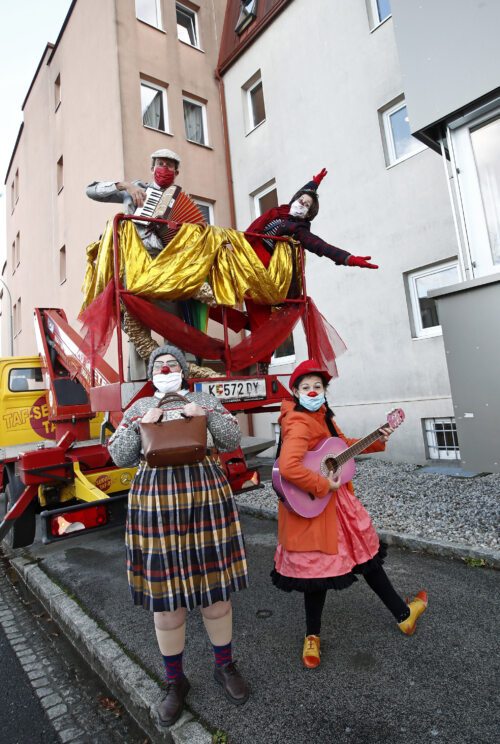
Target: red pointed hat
(309, 367)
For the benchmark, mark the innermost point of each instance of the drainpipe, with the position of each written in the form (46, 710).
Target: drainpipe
(229, 175)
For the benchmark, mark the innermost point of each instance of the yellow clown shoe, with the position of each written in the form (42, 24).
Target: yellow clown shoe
(310, 652)
(417, 607)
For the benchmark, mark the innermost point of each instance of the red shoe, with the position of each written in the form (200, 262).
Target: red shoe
(310, 652)
(417, 606)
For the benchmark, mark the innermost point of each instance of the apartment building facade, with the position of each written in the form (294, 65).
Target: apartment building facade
(123, 79)
(312, 85)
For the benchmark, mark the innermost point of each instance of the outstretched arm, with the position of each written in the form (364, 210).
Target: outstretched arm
(117, 191)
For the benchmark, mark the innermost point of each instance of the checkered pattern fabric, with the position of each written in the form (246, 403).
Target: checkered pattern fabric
(183, 537)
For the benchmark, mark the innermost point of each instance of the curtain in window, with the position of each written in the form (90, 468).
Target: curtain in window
(152, 108)
(193, 122)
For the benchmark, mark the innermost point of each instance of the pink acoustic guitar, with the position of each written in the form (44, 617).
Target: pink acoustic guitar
(331, 454)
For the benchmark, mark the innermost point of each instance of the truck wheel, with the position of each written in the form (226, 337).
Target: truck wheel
(23, 530)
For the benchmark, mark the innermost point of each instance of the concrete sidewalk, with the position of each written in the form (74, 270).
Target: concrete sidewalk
(374, 684)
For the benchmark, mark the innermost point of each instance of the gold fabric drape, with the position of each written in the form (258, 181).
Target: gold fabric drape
(195, 253)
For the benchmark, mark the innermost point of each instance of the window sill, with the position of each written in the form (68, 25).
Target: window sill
(193, 46)
(151, 25)
(434, 334)
(62, 187)
(406, 157)
(57, 107)
(160, 131)
(199, 144)
(380, 23)
(62, 282)
(255, 127)
(283, 361)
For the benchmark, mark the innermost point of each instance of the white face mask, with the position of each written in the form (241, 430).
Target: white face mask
(298, 210)
(169, 383)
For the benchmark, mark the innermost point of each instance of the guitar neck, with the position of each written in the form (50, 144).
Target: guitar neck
(357, 448)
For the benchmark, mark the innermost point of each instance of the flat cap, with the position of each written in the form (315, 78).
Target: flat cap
(170, 154)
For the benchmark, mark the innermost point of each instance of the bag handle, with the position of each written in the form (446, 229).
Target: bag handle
(173, 396)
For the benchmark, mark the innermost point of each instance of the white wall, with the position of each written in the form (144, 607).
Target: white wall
(325, 76)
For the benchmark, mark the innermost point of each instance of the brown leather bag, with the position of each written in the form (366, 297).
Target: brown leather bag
(178, 442)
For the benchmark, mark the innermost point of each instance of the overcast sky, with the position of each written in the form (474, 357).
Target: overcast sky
(25, 28)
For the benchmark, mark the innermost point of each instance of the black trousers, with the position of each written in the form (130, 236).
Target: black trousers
(377, 580)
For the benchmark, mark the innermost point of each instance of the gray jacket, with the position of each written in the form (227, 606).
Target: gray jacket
(106, 191)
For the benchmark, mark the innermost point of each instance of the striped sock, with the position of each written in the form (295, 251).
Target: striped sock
(223, 654)
(173, 667)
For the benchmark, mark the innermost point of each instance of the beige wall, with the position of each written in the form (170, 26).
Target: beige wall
(98, 130)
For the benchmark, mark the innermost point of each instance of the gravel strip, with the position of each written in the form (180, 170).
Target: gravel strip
(401, 498)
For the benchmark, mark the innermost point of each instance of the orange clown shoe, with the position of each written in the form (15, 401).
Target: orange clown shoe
(310, 652)
(417, 607)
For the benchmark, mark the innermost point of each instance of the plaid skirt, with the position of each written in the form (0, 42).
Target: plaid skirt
(183, 540)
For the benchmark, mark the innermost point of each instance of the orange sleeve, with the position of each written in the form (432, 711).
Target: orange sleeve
(296, 439)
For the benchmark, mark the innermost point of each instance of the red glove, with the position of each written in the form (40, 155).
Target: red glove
(361, 261)
(320, 176)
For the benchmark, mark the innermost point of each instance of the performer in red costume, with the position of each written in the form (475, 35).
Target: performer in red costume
(294, 220)
(327, 551)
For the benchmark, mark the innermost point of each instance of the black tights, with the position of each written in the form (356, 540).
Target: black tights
(377, 580)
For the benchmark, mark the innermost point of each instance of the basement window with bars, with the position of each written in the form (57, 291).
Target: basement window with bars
(441, 439)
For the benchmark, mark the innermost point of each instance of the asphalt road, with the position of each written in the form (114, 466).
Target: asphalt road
(374, 684)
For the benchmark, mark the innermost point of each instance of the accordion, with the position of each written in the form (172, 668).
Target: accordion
(171, 204)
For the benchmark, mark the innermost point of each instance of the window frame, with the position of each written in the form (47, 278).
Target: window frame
(164, 97)
(390, 148)
(60, 174)
(263, 191)
(57, 92)
(204, 118)
(418, 331)
(427, 423)
(243, 21)
(62, 264)
(209, 205)
(158, 15)
(250, 110)
(374, 15)
(194, 14)
(467, 186)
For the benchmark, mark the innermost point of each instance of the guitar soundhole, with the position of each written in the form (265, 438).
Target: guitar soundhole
(328, 464)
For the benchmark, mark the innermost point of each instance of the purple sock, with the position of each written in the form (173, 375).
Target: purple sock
(223, 654)
(173, 667)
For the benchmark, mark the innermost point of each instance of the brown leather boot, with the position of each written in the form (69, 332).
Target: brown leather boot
(172, 704)
(235, 687)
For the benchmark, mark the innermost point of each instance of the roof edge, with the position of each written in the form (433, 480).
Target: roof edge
(48, 45)
(14, 152)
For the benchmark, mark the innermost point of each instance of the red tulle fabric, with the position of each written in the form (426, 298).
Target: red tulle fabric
(99, 322)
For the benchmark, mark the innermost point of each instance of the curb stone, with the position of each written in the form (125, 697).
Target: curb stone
(491, 558)
(125, 679)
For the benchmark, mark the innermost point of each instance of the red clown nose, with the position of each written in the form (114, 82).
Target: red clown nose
(165, 370)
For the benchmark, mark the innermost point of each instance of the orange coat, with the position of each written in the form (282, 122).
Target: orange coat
(300, 432)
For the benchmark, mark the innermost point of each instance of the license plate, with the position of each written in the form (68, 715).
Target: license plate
(233, 389)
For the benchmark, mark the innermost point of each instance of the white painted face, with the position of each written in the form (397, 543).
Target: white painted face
(310, 384)
(300, 207)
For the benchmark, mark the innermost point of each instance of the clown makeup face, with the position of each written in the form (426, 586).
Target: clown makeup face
(310, 384)
(167, 374)
(300, 207)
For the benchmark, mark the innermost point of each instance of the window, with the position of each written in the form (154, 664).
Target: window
(12, 197)
(187, 25)
(441, 439)
(149, 12)
(425, 321)
(16, 312)
(474, 141)
(195, 121)
(399, 141)
(16, 252)
(248, 14)
(264, 199)
(285, 354)
(154, 106)
(380, 10)
(60, 175)
(207, 210)
(57, 91)
(14, 190)
(255, 103)
(23, 379)
(62, 265)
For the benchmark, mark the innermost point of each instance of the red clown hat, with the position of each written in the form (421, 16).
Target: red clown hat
(309, 367)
